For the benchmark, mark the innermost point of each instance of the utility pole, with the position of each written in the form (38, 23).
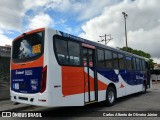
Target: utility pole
(125, 17)
(105, 39)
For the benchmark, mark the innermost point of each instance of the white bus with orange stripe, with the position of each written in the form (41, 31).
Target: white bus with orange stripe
(53, 68)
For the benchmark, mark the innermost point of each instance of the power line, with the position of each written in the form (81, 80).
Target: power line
(105, 38)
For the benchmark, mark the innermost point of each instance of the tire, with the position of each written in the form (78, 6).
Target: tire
(144, 88)
(110, 96)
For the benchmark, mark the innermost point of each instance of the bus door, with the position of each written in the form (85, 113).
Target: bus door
(89, 74)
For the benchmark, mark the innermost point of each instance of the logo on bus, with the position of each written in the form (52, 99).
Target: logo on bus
(19, 72)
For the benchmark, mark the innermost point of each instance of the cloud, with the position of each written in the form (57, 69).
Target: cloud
(92, 8)
(81, 9)
(13, 13)
(40, 20)
(143, 25)
(156, 60)
(4, 40)
(32, 4)
(10, 14)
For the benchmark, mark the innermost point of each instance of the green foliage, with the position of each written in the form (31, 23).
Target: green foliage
(140, 53)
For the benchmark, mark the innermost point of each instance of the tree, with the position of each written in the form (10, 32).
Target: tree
(140, 53)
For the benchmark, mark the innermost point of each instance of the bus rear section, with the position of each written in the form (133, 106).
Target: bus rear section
(28, 73)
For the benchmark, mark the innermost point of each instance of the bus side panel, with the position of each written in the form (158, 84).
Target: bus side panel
(65, 83)
(72, 80)
(104, 77)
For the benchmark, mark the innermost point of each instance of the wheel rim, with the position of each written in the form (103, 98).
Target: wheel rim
(111, 96)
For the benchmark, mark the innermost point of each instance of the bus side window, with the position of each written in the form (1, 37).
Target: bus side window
(137, 63)
(61, 50)
(100, 58)
(121, 61)
(115, 60)
(143, 64)
(128, 63)
(134, 63)
(68, 52)
(140, 67)
(108, 59)
(74, 53)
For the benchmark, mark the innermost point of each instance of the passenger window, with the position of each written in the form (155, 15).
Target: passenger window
(137, 64)
(128, 63)
(61, 49)
(74, 53)
(108, 59)
(134, 63)
(121, 61)
(115, 60)
(68, 52)
(100, 58)
(140, 64)
(143, 65)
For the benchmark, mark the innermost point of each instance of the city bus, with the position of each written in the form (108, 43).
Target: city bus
(52, 68)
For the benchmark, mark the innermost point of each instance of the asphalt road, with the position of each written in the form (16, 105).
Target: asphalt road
(149, 102)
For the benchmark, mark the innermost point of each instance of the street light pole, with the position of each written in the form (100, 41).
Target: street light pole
(125, 17)
(105, 39)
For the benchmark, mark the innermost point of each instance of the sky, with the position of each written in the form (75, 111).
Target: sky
(88, 19)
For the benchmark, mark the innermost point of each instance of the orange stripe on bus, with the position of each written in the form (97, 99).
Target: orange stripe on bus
(74, 81)
(30, 64)
(102, 86)
(36, 30)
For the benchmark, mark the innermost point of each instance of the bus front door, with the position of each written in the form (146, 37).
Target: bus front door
(89, 75)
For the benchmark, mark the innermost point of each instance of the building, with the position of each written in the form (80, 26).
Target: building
(5, 51)
(157, 67)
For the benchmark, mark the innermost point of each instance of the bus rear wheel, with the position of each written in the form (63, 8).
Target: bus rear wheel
(110, 96)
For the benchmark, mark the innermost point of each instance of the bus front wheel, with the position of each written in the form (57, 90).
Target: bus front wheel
(110, 96)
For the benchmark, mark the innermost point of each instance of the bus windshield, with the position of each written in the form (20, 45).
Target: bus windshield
(28, 47)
